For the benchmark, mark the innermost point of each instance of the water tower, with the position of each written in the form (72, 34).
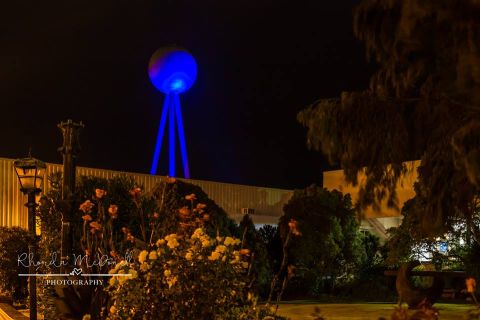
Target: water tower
(172, 71)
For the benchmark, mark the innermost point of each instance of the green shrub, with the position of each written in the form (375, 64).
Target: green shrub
(13, 242)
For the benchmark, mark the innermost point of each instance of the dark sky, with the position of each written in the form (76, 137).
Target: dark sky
(260, 62)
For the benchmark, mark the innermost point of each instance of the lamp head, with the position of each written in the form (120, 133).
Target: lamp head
(30, 172)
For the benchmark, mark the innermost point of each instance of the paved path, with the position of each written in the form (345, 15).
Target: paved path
(362, 311)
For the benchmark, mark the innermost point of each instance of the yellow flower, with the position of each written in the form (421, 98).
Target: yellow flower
(173, 243)
(113, 309)
(224, 258)
(171, 236)
(221, 249)
(153, 255)
(121, 279)
(142, 257)
(229, 241)
(245, 265)
(118, 266)
(112, 281)
(206, 243)
(189, 256)
(214, 256)
(160, 242)
(144, 267)
(171, 281)
(133, 273)
(197, 233)
(167, 273)
(219, 239)
(87, 317)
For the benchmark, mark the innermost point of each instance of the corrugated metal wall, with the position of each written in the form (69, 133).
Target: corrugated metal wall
(267, 202)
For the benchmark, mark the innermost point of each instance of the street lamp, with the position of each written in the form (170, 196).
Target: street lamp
(30, 173)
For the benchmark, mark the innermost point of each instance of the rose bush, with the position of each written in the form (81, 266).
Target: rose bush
(185, 277)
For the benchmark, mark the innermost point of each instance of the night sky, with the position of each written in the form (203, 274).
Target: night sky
(260, 62)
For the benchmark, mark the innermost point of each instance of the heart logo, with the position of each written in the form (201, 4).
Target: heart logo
(76, 271)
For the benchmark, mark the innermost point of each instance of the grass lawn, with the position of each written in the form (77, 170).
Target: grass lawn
(357, 311)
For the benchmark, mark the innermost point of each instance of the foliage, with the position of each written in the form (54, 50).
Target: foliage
(13, 243)
(261, 265)
(50, 242)
(172, 195)
(330, 249)
(371, 284)
(408, 242)
(273, 242)
(423, 103)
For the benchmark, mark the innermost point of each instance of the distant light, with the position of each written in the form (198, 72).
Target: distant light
(177, 85)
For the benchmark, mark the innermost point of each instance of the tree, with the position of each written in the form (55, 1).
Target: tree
(261, 264)
(423, 102)
(330, 247)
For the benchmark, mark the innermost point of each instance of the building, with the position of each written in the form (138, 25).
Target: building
(264, 204)
(376, 221)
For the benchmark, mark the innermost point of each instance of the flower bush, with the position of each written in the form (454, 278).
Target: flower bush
(176, 245)
(185, 277)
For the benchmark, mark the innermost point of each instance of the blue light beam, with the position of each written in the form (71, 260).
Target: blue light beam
(181, 136)
(161, 130)
(171, 137)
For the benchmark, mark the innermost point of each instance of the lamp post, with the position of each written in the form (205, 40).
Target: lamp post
(30, 173)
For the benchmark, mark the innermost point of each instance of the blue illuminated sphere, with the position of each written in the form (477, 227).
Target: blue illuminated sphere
(172, 70)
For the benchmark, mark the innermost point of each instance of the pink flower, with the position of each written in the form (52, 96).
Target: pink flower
(87, 207)
(293, 226)
(191, 197)
(184, 212)
(201, 206)
(113, 211)
(95, 226)
(100, 193)
(136, 192)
